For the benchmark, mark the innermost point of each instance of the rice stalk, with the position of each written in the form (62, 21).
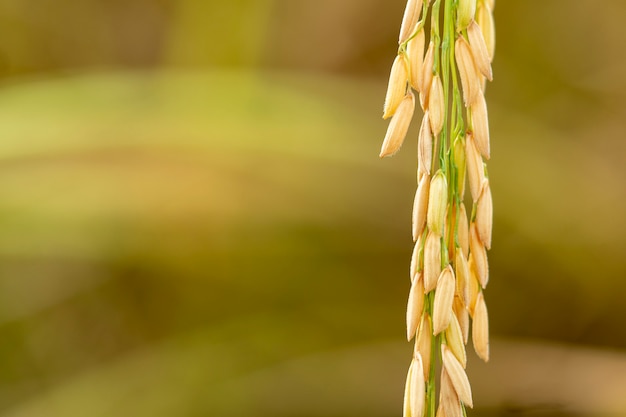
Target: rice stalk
(444, 56)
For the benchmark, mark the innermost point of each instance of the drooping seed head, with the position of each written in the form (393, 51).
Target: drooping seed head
(415, 52)
(480, 330)
(480, 124)
(432, 261)
(475, 169)
(465, 13)
(410, 19)
(444, 296)
(420, 206)
(479, 50)
(425, 145)
(396, 89)
(436, 105)
(437, 203)
(484, 215)
(458, 377)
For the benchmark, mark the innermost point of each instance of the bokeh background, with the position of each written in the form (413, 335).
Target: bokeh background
(194, 220)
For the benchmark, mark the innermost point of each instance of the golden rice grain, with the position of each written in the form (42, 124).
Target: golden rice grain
(484, 19)
(475, 169)
(415, 267)
(473, 286)
(480, 124)
(436, 105)
(454, 338)
(484, 215)
(427, 75)
(479, 254)
(444, 296)
(406, 409)
(418, 387)
(458, 377)
(479, 50)
(465, 13)
(480, 329)
(414, 308)
(399, 126)
(462, 315)
(420, 206)
(470, 82)
(415, 52)
(462, 276)
(448, 397)
(437, 203)
(410, 19)
(396, 89)
(432, 261)
(425, 145)
(423, 344)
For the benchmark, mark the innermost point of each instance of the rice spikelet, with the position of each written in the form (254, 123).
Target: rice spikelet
(444, 296)
(479, 50)
(480, 330)
(425, 145)
(437, 203)
(470, 82)
(409, 21)
(480, 123)
(484, 19)
(475, 170)
(415, 52)
(484, 215)
(432, 261)
(479, 254)
(427, 75)
(436, 105)
(396, 90)
(420, 206)
(423, 344)
(414, 307)
(458, 377)
(465, 13)
(418, 387)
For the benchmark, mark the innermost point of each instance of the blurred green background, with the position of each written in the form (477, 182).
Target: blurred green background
(194, 220)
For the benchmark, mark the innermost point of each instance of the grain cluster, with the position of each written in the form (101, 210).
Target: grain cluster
(443, 63)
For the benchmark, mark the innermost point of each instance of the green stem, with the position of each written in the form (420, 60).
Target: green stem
(434, 348)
